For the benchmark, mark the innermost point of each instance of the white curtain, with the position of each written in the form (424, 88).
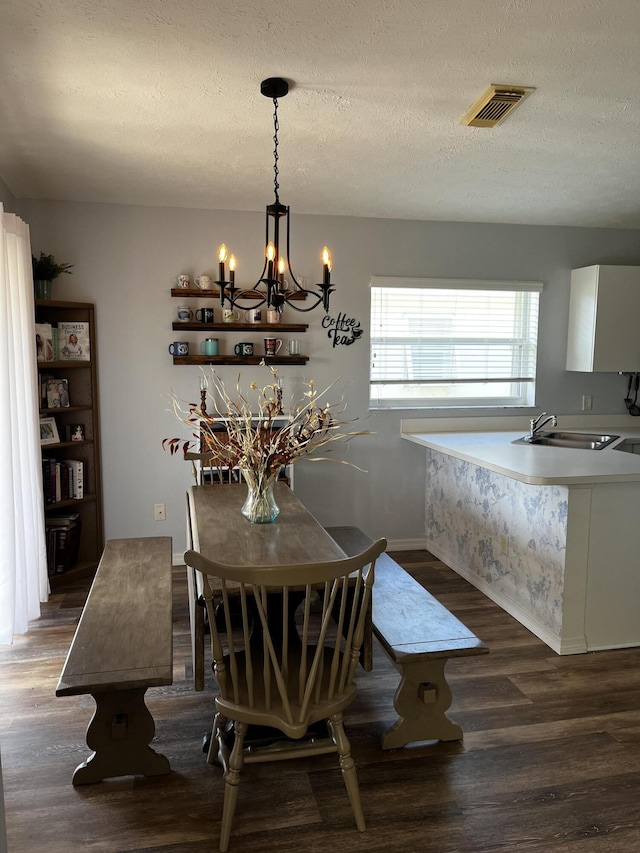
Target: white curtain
(23, 563)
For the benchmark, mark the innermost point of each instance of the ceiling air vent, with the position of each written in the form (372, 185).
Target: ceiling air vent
(495, 104)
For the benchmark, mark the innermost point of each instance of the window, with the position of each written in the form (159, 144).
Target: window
(453, 343)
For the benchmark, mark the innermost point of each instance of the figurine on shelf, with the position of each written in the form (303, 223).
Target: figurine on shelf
(204, 384)
(280, 410)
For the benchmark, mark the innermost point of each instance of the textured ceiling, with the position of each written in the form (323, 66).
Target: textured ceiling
(157, 102)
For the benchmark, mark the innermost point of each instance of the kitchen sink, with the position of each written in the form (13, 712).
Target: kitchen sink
(568, 439)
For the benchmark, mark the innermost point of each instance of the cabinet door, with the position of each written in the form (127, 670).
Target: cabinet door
(604, 314)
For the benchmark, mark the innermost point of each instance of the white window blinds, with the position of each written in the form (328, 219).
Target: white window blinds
(443, 342)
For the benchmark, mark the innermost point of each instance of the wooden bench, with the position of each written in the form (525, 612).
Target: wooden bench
(419, 635)
(123, 644)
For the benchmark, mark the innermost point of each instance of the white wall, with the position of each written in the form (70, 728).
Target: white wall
(6, 197)
(126, 257)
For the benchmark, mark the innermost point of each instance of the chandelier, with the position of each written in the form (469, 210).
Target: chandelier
(277, 285)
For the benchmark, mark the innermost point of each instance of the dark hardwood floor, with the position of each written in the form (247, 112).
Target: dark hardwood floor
(550, 759)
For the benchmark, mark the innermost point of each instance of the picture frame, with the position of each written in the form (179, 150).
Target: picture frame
(49, 431)
(58, 393)
(74, 432)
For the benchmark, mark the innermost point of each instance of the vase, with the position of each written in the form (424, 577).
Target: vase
(43, 289)
(260, 506)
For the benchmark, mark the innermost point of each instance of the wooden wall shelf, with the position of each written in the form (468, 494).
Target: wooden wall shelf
(196, 293)
(269, 329)
(239, 360)
(194, 326)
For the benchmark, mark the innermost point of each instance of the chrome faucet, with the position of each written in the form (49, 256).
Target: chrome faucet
(536, 424)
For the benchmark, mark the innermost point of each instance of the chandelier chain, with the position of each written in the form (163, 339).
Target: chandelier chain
(272, 288)
(276, 171)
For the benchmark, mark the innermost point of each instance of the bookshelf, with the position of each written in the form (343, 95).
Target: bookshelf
(80, 379)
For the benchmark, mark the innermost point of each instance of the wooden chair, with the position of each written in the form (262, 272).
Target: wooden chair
(285, 669)
(210, 469)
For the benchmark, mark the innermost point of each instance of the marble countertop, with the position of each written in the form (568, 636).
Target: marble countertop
(494, 450)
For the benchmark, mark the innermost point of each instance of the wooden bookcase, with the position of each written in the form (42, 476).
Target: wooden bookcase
(83, 396)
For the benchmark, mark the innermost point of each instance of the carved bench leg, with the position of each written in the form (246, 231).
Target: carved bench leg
(120, 733)
(421, 700)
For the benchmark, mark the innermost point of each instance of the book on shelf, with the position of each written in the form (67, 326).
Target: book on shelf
(62, 517)
(54, 341)
(44, 342)
(73, 341)
(58, 393)
(77, 475)
(63, 544)
(44, 380)
(55, 481)
(62, 481)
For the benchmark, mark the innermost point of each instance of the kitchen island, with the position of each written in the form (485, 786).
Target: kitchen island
(548, 533)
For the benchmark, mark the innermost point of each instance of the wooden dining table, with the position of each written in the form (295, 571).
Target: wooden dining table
(218, 530)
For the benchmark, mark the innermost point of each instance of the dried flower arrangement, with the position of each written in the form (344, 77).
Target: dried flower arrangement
(244, 432)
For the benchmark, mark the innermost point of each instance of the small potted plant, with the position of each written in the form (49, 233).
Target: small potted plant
(45, 270)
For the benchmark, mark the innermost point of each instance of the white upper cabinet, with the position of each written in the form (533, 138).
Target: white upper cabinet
(604, 319)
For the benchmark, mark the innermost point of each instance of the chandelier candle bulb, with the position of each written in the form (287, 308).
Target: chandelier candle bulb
(222, 257)
(271, 254)
(281, 270)
(326, 266)
(232, 270)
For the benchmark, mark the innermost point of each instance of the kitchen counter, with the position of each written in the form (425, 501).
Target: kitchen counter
(538, 465)
(547, 533)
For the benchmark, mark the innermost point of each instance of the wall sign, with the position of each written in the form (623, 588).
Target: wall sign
(342, 330)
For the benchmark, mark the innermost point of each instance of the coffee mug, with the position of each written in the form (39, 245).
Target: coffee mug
(207, 315)
(179, 348)
(184, 313)
(183, 280)
(243, 349)
(229, 315)
(273, 316)
(294, 347)
(203, 282)
(272, 346)
(209, 346)
(253, 315)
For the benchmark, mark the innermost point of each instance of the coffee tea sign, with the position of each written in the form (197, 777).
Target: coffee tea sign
(342, 330)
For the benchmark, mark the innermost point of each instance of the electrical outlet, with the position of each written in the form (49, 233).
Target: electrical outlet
(160, 513)
(587, 400)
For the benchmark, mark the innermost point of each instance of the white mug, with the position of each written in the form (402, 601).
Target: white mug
(229, 315)
(273, 316)
(203, 282)
(253, 315)
(183, 280)
(185, 314)
(294, 347)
